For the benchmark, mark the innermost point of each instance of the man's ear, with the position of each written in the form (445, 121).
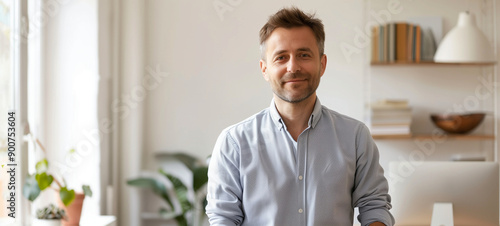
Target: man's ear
(323, 64)
(263, 69)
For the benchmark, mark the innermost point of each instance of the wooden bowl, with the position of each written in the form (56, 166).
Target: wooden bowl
(457, 123)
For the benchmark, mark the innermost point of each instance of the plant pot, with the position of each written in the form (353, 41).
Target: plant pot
(73, 211)
(45, 222)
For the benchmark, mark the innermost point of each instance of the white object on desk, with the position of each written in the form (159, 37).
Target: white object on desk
(442, 214)
(99, 221)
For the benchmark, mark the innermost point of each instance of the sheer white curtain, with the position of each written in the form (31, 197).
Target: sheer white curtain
(121, 69)
(63, 91)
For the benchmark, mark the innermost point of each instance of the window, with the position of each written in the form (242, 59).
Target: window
(12, 84)
(6, 93)
(17, 48)
(13, 59)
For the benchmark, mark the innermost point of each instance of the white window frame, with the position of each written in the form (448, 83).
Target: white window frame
(20, 95)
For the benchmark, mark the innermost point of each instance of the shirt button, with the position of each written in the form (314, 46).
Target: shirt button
(301, 210)
(300, 177)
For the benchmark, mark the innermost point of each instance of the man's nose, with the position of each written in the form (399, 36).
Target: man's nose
(293, 65)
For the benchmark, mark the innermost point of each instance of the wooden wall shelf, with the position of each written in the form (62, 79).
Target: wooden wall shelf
(428, 136)
(427, 63)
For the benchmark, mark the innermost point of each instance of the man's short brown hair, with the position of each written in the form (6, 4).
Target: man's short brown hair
(290, 18)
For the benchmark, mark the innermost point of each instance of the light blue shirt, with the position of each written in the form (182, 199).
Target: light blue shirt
(257, 176)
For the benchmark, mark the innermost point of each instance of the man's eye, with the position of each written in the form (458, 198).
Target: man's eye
(305, 55)
(280, 58)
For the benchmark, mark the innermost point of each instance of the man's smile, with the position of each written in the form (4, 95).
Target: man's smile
(292, 81)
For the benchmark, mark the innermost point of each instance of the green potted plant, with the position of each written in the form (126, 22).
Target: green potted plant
(195, 208)
(68, 198)
(49, 216)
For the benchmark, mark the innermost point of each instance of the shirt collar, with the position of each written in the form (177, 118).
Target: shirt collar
(316, 114)
(313, 119)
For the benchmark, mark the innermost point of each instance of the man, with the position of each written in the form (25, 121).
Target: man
(296, 162)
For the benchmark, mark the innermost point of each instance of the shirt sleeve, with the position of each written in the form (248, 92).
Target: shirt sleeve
(224, 189)
(371, 189)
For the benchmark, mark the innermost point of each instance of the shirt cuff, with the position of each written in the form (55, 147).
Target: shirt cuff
(374, 215)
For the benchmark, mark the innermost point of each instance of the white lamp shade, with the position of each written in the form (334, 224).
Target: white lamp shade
(465, 43)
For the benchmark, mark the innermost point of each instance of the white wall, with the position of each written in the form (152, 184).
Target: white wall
(214, 78)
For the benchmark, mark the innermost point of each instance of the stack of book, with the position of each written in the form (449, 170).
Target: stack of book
(391, 117)
(402, 42)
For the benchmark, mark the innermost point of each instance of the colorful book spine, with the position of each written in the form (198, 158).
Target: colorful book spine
(375, 44)
(392, 42)
(418, 45)
(401, 42)
(381, 43)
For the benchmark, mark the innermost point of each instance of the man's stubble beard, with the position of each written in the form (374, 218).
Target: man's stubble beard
(300, 99)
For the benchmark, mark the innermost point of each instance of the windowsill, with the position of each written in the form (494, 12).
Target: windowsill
(96, 221)
(99, 221)
(6, 221)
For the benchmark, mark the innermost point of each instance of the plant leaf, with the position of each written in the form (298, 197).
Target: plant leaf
(30, 189)
(67, 196)
(44, 180)
(165, 214)
(205, 203)
(157, 187)
(87, 191)
(181, 220)
(51, 212)
(180, 190)
(188, 160)
(42, 166)
(200, 177)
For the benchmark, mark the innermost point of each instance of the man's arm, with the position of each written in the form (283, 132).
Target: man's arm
(370, 192)
(223, 188)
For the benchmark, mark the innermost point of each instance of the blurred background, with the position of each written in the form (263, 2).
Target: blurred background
(127, 82)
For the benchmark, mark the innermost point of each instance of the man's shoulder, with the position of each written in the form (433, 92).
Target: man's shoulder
(248, 123)
(345, 125)
(246, 130)
(341, 118)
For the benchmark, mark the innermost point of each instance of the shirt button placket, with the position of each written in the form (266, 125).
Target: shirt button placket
(302, 162)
